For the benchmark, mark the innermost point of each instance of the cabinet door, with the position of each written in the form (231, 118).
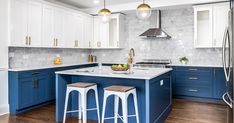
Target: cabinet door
(34, 23)
(26, 93)
(59, 16)
(48, 38)
(19, 22)
(79, 32)
(220, 22)
(96, 33)
(70, 29)
(220, 83)
(203, 26)
(104, 35)
(42, 89)
(88, 32)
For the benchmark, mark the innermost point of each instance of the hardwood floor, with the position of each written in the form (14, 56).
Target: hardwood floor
(182, 112)
(196, 112)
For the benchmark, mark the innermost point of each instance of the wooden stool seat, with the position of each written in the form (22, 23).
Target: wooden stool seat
(81, 85)
(119, 88)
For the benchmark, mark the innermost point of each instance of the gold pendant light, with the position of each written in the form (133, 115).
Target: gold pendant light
(143, 11)
(104, 14)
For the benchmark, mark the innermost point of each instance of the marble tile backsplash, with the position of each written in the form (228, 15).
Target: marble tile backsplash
(41, 57)
(178, 23)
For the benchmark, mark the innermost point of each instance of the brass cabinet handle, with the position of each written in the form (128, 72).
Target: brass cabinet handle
(26, 40)
(56, 42)
(193, 78)
(193, 90)
(193, 69)
(76, 43)
(98, 44)
(29, 40)
(89, 44)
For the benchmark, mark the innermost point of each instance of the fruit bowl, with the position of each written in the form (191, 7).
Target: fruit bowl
(123, 67)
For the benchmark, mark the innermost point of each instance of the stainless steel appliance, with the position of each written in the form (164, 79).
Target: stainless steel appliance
(153, 63)
(228, 62)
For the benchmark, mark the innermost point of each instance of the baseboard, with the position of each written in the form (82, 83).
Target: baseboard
(4, 109)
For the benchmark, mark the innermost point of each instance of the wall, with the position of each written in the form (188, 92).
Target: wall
(4, 107)
(179, 24)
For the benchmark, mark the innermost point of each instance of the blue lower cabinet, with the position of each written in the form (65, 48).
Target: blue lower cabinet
(198, 82)
(26, 93)
(219, 83)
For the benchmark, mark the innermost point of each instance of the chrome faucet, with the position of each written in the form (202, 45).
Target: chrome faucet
(130, 60)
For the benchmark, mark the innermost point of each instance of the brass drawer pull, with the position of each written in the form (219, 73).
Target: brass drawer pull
(193, 69)
(26, 40)
(193, 90)
(193, 78)
(30, 40)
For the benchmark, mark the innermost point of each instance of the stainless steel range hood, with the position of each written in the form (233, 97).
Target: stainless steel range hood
(155, 23)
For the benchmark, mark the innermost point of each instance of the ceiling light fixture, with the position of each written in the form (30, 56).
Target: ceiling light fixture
(96, 1)
(104, 14)
(143, 11)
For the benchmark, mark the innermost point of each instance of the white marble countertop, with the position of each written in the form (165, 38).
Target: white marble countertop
(195, 65)
(47, 67)
(106, 71)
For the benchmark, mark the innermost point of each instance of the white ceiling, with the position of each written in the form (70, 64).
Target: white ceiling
(84, 4)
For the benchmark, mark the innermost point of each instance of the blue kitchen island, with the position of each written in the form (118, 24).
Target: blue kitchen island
(153, 86)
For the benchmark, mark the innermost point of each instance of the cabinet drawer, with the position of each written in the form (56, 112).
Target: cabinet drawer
(201, 78)
(30, 74)
(193, 69)
(193, 91)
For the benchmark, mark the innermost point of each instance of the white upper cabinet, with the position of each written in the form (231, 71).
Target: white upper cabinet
(19, 23)
(101, 33)
(53, 27)
(59, 25)
(34, 23)
(109, 35)
(210, 22)
(220, 23)
(88, 32)
(48, 38)
(26, 19)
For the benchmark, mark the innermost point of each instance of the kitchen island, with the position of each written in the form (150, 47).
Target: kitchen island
(153, 89)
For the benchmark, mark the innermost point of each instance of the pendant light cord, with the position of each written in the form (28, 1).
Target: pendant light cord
(144, 1)
(104, 4)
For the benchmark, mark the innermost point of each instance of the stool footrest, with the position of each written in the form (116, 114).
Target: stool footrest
(91, 109)
(121, 117)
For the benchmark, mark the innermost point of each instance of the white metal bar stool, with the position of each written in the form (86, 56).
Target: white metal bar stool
(120, 92)
(82, 89)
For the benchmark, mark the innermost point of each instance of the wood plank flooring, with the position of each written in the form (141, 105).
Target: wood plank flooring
(182, 112)
(197, 112)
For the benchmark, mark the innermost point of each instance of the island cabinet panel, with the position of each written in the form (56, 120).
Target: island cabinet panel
(160, 97)
(198, 82)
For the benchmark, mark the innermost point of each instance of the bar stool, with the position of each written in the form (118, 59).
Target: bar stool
(82, 89)
(120, 92)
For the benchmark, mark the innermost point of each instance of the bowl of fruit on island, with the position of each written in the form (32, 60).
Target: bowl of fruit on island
(120, 67)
